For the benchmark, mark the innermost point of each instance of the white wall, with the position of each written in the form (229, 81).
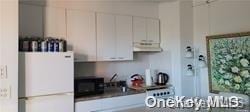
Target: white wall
(157, 62)
(171, 42)
(9, 52)
(186, 35)
(183, 25)
(219, 17)
(124, 69)
(144, 9)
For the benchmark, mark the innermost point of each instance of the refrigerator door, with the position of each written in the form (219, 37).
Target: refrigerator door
(45, 73)
(54, 103)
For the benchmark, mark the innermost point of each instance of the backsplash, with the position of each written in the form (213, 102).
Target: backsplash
(158, 62)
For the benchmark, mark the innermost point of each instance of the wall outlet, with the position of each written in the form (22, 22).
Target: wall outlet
(5, 92)
(3, 72)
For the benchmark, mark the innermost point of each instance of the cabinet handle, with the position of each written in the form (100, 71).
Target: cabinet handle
(143, 43)
(146, 44)
(151, 40)
(121, 58)
(149, 43)
(144, 40)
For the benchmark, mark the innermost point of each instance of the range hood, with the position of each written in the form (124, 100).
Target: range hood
(147, 47)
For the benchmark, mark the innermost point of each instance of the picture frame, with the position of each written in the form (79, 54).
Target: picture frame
(229, 63)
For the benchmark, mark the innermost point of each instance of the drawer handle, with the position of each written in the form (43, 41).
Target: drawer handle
(146, 44)
(142, 43)
(67, 56)
(112, 58)
(121, 58)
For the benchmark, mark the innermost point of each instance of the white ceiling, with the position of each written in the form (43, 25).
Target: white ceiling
(150, 1)
(127, 0)
(108, 0)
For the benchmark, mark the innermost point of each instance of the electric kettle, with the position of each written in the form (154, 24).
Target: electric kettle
(162, 78)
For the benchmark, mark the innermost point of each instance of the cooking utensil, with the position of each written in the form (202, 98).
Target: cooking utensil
(137, 80)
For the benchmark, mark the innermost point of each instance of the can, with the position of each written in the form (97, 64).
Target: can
(56, 45)
(44, 45)
(34, 46)
(51, 45)
(25, 45)
(62, 45)
(39, 44)
(20, 43)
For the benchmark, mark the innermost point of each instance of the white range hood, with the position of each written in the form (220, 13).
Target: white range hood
(147, 47)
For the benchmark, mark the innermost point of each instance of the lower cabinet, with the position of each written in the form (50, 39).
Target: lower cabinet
(111, 104)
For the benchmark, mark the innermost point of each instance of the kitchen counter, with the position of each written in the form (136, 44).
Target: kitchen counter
(109, 93)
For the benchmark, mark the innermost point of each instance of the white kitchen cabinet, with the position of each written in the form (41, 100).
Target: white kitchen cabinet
(106, 37)
(55, 22)
(153, 30)
(146, 30)
(30, 20)
(114, 37)
(139, 29)
(124, 38)
(81, 35)
(111, 104)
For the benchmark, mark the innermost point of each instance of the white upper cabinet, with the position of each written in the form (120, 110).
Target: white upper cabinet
(146, 30)
(55, 22)
(114, 37)
(81, 34)
(153, 31)
(140, 29)
(106, 38)
(124, 37)
(30, 20)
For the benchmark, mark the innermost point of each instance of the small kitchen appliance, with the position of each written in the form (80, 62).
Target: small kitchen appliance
(162, 78)
(88, 85)
(46, 81)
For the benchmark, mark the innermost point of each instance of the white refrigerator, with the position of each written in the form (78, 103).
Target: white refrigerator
(46, 82)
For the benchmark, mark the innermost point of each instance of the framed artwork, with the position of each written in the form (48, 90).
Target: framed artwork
(229, 63)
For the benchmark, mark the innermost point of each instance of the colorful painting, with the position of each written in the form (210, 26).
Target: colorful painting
(229, 63)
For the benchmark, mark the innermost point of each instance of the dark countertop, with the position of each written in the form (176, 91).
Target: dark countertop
(109, 94)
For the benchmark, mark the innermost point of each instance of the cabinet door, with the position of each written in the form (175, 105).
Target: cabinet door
(81, 34)
(55, 22)
(124, 37)
(139, 29)
(106, 39)
(30, 20)
(153, 31)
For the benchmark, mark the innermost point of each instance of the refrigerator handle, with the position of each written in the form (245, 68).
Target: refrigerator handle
(59, 94)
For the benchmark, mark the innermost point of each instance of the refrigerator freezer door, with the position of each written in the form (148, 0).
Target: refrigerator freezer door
(54, 103)
(45, 73)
